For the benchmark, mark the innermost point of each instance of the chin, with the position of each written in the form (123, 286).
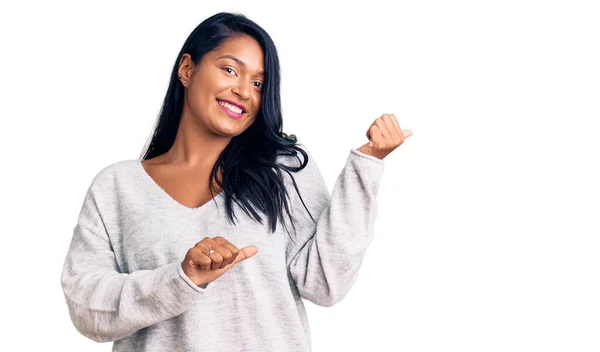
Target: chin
(226, 131)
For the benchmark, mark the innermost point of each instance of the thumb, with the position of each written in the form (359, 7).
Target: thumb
(407, 133)
(245, 253)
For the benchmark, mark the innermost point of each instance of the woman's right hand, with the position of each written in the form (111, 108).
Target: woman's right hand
(202, 269)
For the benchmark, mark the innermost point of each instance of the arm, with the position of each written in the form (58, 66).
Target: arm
(105, 304)
(325, 262)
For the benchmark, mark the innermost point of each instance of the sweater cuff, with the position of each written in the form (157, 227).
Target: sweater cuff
(186, 279)
(368, 168)
(366, 156)
(367, 164)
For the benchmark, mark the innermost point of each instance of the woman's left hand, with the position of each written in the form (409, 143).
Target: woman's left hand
(384, 135)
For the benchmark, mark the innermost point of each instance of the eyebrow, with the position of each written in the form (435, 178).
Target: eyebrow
(262, 73)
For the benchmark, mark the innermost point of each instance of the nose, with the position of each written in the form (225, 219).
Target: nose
(242, 89)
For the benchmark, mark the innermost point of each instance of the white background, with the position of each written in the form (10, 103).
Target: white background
(488, 232)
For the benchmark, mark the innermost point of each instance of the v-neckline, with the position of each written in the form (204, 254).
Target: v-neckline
(164, 194)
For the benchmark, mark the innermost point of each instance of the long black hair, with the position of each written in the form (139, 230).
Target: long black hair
(251, 177)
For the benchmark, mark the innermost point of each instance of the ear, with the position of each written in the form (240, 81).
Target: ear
(186, 66)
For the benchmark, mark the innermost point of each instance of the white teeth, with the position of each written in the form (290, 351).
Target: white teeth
(231, 107)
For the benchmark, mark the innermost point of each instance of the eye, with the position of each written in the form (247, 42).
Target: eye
(229, 70)
(260, 84)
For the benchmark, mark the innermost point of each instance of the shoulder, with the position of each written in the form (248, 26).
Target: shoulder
(308, 178)
(298, 159)
(106, 189)
(296, 162)
(112, 174)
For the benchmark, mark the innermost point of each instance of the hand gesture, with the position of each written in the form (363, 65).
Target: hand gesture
(384, 136)
(212, 257)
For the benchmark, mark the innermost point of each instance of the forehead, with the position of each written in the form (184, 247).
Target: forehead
(244, 48)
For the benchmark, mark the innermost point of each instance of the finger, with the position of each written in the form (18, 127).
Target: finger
(407, 133)
(396, 124)
(216, 258)
(216, 252)
(199, 259)
(382, 128)
(226, 255)
(232, 249)
(395, 133)
(374, 134)
(389, 122)
(245, 253)
(204, 246)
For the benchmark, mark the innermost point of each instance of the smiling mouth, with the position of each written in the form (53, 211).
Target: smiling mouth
(233, 107)
(231, 110)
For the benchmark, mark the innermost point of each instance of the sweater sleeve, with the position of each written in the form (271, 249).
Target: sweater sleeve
(328, 254)
(104, 303)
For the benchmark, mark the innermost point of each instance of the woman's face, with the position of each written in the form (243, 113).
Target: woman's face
(224, 91)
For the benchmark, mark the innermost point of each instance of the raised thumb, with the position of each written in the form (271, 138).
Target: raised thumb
(246, 253)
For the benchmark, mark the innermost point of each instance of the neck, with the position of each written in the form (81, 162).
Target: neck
(195, 146)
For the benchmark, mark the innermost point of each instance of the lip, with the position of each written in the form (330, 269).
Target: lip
(234, 103)
(230, 113)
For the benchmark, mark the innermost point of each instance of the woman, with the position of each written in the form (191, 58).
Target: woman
(210, 241)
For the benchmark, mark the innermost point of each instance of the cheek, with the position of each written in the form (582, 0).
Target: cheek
(197, 105)
(199, 98)
(257, 102)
